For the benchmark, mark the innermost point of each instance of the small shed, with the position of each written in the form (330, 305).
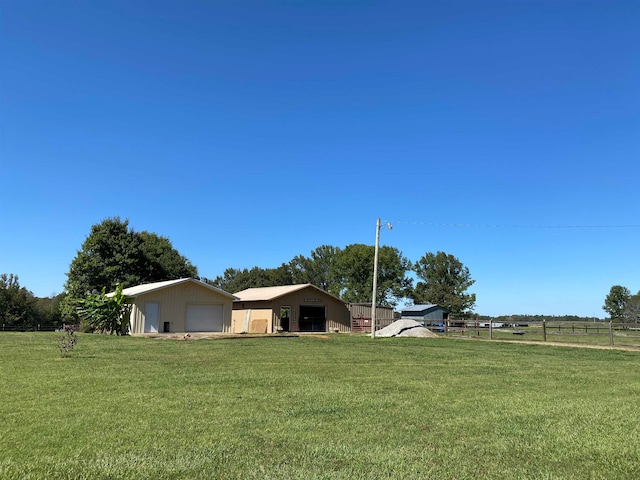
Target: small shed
(289, 308)
(183, 305)
(428, 314)
(361, 316)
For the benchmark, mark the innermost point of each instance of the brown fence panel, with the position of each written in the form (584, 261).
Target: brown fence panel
(363, 324)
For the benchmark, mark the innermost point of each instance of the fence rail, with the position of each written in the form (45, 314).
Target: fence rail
(36, 327)
(593, 333)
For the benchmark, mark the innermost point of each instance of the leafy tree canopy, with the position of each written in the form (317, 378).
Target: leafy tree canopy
(616, 301)
(105, 314)
(346, 273)
(632, 309)
(234, 280)
(113, 253)
(17, 304)
(20, 309)
(444, 281)
(319, 269)
(354, 274)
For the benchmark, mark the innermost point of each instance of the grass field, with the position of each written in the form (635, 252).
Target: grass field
(332, 407)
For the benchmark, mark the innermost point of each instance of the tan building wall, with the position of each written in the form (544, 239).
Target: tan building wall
(254, 320)
(173, 303)
(335, 311)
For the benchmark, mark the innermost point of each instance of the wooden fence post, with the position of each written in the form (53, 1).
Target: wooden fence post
(490, 329)
(610, 332)
(544, 330)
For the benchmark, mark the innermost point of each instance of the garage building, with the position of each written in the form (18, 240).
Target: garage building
(289, 308)
(183, 305)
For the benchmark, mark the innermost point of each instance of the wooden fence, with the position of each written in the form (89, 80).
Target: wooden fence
(593, 333)
(363, 324)
(36, 327)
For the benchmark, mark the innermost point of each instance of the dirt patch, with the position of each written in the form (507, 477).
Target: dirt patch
(217, 336)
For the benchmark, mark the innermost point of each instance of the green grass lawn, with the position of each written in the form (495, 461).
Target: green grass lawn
(339, 407)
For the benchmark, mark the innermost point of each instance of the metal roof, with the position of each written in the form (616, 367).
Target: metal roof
(151, 287)
(271, 293)
(420, 308)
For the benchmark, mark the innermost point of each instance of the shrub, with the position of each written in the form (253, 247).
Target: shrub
(67, 342)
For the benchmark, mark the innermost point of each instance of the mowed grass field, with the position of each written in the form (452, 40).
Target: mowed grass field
(328, 407)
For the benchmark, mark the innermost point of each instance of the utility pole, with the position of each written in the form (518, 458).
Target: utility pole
(375, 278)
(375, 281)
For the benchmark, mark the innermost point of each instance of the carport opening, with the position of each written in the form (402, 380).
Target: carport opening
(312, 319)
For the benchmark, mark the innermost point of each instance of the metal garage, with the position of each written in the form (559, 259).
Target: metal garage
(182, 305)
(204, 318)
(289, 308)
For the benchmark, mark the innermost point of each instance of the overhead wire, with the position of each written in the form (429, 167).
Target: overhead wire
(475, 225)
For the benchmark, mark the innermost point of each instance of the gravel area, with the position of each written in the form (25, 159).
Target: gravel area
(405, 328)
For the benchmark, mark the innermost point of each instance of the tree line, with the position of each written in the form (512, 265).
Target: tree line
(522, 318)
(114, 255)
(347, 273)
(21, 310)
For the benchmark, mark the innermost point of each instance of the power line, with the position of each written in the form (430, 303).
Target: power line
(475, 225)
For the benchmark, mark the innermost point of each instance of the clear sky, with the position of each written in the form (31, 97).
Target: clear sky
(506, 133)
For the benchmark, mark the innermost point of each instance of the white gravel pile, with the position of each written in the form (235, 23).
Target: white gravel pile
(405, 328)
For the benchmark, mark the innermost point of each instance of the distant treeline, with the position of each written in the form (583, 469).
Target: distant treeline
(21, 310)
(539, 318)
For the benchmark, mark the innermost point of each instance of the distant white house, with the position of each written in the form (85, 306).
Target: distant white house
(492, 325)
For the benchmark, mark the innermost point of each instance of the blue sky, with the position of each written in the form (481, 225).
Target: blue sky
(504, 132)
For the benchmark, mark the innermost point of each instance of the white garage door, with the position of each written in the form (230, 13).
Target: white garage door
(204, 318)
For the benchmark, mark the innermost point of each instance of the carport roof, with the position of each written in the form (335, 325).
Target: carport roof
(271, 293)
(151, 287)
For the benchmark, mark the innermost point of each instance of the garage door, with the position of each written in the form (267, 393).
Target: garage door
(204, 318)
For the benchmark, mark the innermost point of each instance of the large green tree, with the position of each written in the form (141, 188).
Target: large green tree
(632, 309)
(114, 253)
(319, 269)
(354, 275)
(444, 281)
(235, 280)
(616, 301)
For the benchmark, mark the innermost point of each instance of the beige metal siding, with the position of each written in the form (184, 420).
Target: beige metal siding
(173, 306)
(336, 312)
(242, 321)
(364, 311)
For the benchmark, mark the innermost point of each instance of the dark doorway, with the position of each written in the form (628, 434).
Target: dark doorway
(285, 318)
(312, 319)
